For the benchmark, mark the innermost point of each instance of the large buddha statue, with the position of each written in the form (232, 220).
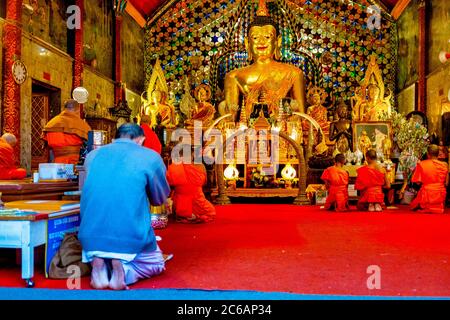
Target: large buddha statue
(265, 76)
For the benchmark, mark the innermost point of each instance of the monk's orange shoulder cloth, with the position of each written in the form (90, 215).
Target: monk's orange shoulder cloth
(68, 122)
(336, 176)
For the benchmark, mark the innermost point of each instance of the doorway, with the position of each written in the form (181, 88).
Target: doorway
(45, 104)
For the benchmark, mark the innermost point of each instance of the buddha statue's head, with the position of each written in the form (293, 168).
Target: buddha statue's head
(341, 110)
(263, 37)
(202, 93)
(373, 91)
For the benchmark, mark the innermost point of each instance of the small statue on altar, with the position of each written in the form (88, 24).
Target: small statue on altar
(443, 151)
(341, 129)
(165, 111)
(204, 111)
(316, 98)
(358, 157)
(386, 146)
(364, 142)
(371, 103)
(265, 73)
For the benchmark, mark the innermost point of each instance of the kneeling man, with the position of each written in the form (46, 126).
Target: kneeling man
(370, 182)
(432, 175)
(115, 231)
(336, 181)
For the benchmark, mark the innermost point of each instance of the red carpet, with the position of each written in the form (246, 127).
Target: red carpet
(301, 250)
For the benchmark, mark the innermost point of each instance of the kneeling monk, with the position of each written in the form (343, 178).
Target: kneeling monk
(336, 181)
(188, 198)
(370, 182)
(8, 169)
(432, 174)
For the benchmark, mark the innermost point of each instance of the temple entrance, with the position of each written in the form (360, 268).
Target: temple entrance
(45, 104)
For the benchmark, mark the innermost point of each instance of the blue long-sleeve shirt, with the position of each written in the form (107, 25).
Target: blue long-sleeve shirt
(121, 179)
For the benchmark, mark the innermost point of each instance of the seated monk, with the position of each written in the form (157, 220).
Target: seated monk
(65, 134)
(432, 174)
(151, 139)
(8, 169)
(336, 181)
(370, 182)
(189, 200)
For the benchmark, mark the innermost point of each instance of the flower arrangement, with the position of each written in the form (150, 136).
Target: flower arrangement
(411, 138)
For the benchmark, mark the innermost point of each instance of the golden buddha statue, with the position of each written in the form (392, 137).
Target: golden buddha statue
(316, 97)
(164, 112)
(341, 129)
(265, 76)
(204, 111)
(371, 103)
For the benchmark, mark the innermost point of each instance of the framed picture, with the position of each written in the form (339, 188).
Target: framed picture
(373, 135)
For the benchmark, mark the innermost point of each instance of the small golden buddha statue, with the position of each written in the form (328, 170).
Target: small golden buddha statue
(341, 129)
(164, 111)
(277, 80)
(204, 111)
(316, 97)
(371, 103)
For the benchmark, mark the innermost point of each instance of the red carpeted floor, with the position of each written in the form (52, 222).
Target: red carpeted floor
(301, 250)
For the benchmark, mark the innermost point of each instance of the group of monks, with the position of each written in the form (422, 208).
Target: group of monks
(431, 175)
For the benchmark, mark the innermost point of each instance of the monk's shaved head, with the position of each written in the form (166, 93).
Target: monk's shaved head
(10, 139)
(146, 119)
(340, 158)
(371, 155)
(433, 150)
(71, 105)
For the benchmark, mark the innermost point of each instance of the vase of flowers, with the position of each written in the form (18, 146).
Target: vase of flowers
(412, 140)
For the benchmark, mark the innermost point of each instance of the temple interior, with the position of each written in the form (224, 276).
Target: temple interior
(264, 95)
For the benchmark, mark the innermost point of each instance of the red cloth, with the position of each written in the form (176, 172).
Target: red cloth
(431, 197)
(337, 184)
(8, 170)
(370, 182)
(188, 197)
(151, 139)
(66, 147)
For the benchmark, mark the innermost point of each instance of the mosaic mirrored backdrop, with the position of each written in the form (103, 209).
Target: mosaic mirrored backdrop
(329, 39)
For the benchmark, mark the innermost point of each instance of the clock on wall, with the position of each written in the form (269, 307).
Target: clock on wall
(19, 72)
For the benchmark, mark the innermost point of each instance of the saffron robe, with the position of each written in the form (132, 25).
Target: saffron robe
(188, 198)
(370, 183)
(65, 134)
(337, 183)
(151, 139)
(8, 169)
(431, 196)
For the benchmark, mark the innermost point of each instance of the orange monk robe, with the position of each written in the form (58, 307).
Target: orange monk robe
(432, 174)
(337, 185)
(370, 183)
(188, 198)
(65, 134)
(8, 170)
(151, 139)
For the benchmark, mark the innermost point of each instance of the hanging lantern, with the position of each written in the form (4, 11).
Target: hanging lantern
(231, 172)
(288, 173)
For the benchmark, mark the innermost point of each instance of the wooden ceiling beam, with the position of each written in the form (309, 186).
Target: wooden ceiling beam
(135, 14)
(399, 8)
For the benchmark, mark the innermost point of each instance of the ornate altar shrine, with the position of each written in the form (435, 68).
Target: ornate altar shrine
(250, 69)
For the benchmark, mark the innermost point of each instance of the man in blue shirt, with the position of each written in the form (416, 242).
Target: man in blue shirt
(115, 228)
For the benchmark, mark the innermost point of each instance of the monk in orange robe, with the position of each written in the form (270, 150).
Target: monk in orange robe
(370, 182)
(336, 181)
(66, 133)
(8, 169)
(189, 200)
(432, 174)
(151, 139)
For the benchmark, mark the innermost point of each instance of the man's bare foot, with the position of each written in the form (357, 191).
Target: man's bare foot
(378, 207)
(117, 281)
(99, 274)
(371, 207)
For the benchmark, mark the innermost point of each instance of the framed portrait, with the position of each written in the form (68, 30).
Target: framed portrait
(373, 135)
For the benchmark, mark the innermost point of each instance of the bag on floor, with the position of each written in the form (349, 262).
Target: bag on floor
(69, 254)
